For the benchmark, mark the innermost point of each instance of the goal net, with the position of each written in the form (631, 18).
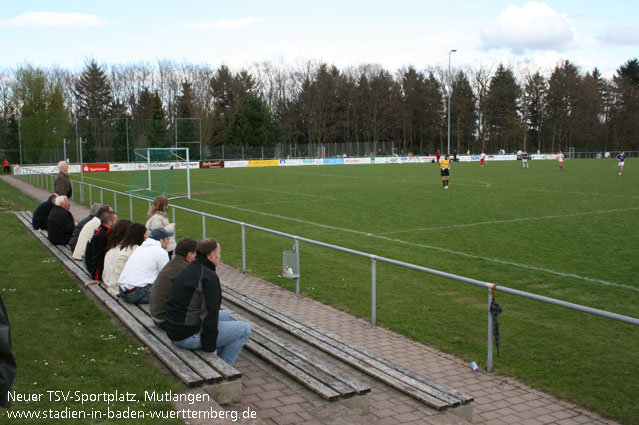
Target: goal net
(161, 172)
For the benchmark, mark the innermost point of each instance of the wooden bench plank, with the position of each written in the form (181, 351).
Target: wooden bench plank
(343, 385)
(208, 373)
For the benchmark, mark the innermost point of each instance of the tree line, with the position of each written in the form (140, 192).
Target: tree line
(113, 107)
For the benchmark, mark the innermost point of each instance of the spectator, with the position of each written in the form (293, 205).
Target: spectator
(62, 183)
(60, 223)
(95, 249)
(143, 267)
(135, 236)
(7, 166)
(8, 365)
(185, 252)
(87, 231)
(157, 218)
(116, 236)
(196, 293)
(41, 214)
(78, 227)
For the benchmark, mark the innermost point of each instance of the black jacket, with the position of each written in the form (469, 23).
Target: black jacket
(7, 361)
(41, 215)
(94, 254)
(60, 225)
(195, 288)
(76, 232)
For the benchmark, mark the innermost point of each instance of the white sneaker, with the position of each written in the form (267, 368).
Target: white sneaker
(445, 187)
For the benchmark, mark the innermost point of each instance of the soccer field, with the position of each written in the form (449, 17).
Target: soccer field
(570, 234)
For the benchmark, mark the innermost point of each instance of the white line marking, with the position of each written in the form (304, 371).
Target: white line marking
(435, 248)
(481, 223)
(426, 180)
(270, 190)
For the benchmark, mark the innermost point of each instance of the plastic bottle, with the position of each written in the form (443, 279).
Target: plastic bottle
(474, 366)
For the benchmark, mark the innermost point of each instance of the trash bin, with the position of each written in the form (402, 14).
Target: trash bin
(290, 266)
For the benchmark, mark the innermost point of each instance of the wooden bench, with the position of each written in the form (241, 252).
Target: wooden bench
(438, 396)
(195, 368)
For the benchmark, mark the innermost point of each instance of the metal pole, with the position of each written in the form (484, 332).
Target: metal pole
(115, 201)
(174, 230)
(200, 121)
(296, 249)
(203, 226)
(20, 140)
(127, 139)
(64, 149)
(373, 291)
(101, 197)
(131, 207)
(489, 356)
(243, 246)
(449, 90)
(188, 175)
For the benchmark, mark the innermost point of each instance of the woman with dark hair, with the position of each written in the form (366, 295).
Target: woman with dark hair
(116, 236)
(157, 218)
(135, 235)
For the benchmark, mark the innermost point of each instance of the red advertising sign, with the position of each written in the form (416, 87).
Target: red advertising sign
(211, 164)
(95, 168)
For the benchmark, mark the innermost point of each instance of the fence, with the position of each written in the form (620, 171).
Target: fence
(46, 181)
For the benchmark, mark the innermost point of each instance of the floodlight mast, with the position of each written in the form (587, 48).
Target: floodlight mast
(449, 90)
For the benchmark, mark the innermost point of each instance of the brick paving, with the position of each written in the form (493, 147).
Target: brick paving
(280, 400)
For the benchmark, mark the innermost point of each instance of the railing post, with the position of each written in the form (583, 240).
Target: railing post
(489, 351)
(101, 197)
(203, 226)
(90, 195)
(175, 229)
(131, 207)
(82, 194)
(296, 249)
(243, 247)
(373, 291)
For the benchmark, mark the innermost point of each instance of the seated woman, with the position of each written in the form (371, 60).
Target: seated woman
(157, 218)
(135, 235)
(112, 248)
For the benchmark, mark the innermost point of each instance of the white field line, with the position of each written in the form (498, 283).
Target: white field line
(512, 220)
(281, 202)
(424, 246)
(270, 190)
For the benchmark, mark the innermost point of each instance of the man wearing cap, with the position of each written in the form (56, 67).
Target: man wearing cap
(143, 267)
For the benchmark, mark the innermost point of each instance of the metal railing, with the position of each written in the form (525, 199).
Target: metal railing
(46, 180)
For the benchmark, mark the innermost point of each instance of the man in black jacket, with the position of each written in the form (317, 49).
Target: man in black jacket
(60, 223)
(94, 253)
(41, 214)
(196, 290)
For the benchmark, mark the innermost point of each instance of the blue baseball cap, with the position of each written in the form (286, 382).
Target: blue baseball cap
(160, 233)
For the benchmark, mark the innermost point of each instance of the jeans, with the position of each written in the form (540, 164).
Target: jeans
(231, 337)
(141, 296)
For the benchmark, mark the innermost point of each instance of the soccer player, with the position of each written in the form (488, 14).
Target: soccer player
(621, 158)
(444, 164)
(524, 159)
(482, 158)
(560, 158)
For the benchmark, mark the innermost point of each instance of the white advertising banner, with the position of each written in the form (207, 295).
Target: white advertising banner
(236, 164)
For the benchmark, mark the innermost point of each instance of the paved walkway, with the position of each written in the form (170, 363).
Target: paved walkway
(280, 400)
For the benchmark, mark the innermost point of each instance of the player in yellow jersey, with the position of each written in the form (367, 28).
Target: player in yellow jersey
(444, 164)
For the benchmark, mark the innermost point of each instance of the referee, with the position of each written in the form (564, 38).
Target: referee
(444, 164)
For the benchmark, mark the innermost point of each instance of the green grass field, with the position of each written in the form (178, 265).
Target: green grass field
(569, 234)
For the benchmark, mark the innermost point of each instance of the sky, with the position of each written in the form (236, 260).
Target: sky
(394, 34)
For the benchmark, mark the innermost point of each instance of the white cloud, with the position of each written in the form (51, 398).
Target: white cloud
(52, 20)
(623, 35)
(232, 24)
(536, 26)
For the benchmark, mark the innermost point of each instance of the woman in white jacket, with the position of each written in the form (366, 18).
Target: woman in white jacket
(157, 218)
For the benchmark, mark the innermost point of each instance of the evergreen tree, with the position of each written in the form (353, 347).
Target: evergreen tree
(254, 125)
(502, 111)
(463, 115)
(158, 135)
(534, 107)
(187, 128)
(564, 88)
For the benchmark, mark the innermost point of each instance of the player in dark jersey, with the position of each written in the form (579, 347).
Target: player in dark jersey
(621, 158)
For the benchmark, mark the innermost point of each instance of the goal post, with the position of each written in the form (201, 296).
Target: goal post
(161, 172)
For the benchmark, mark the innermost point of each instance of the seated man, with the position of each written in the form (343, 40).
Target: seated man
(143, 267)
(60, 223)
(41, 214)
(196, 293)
(87, 231)
(78, 227)
(94, 252)
(184, 254)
